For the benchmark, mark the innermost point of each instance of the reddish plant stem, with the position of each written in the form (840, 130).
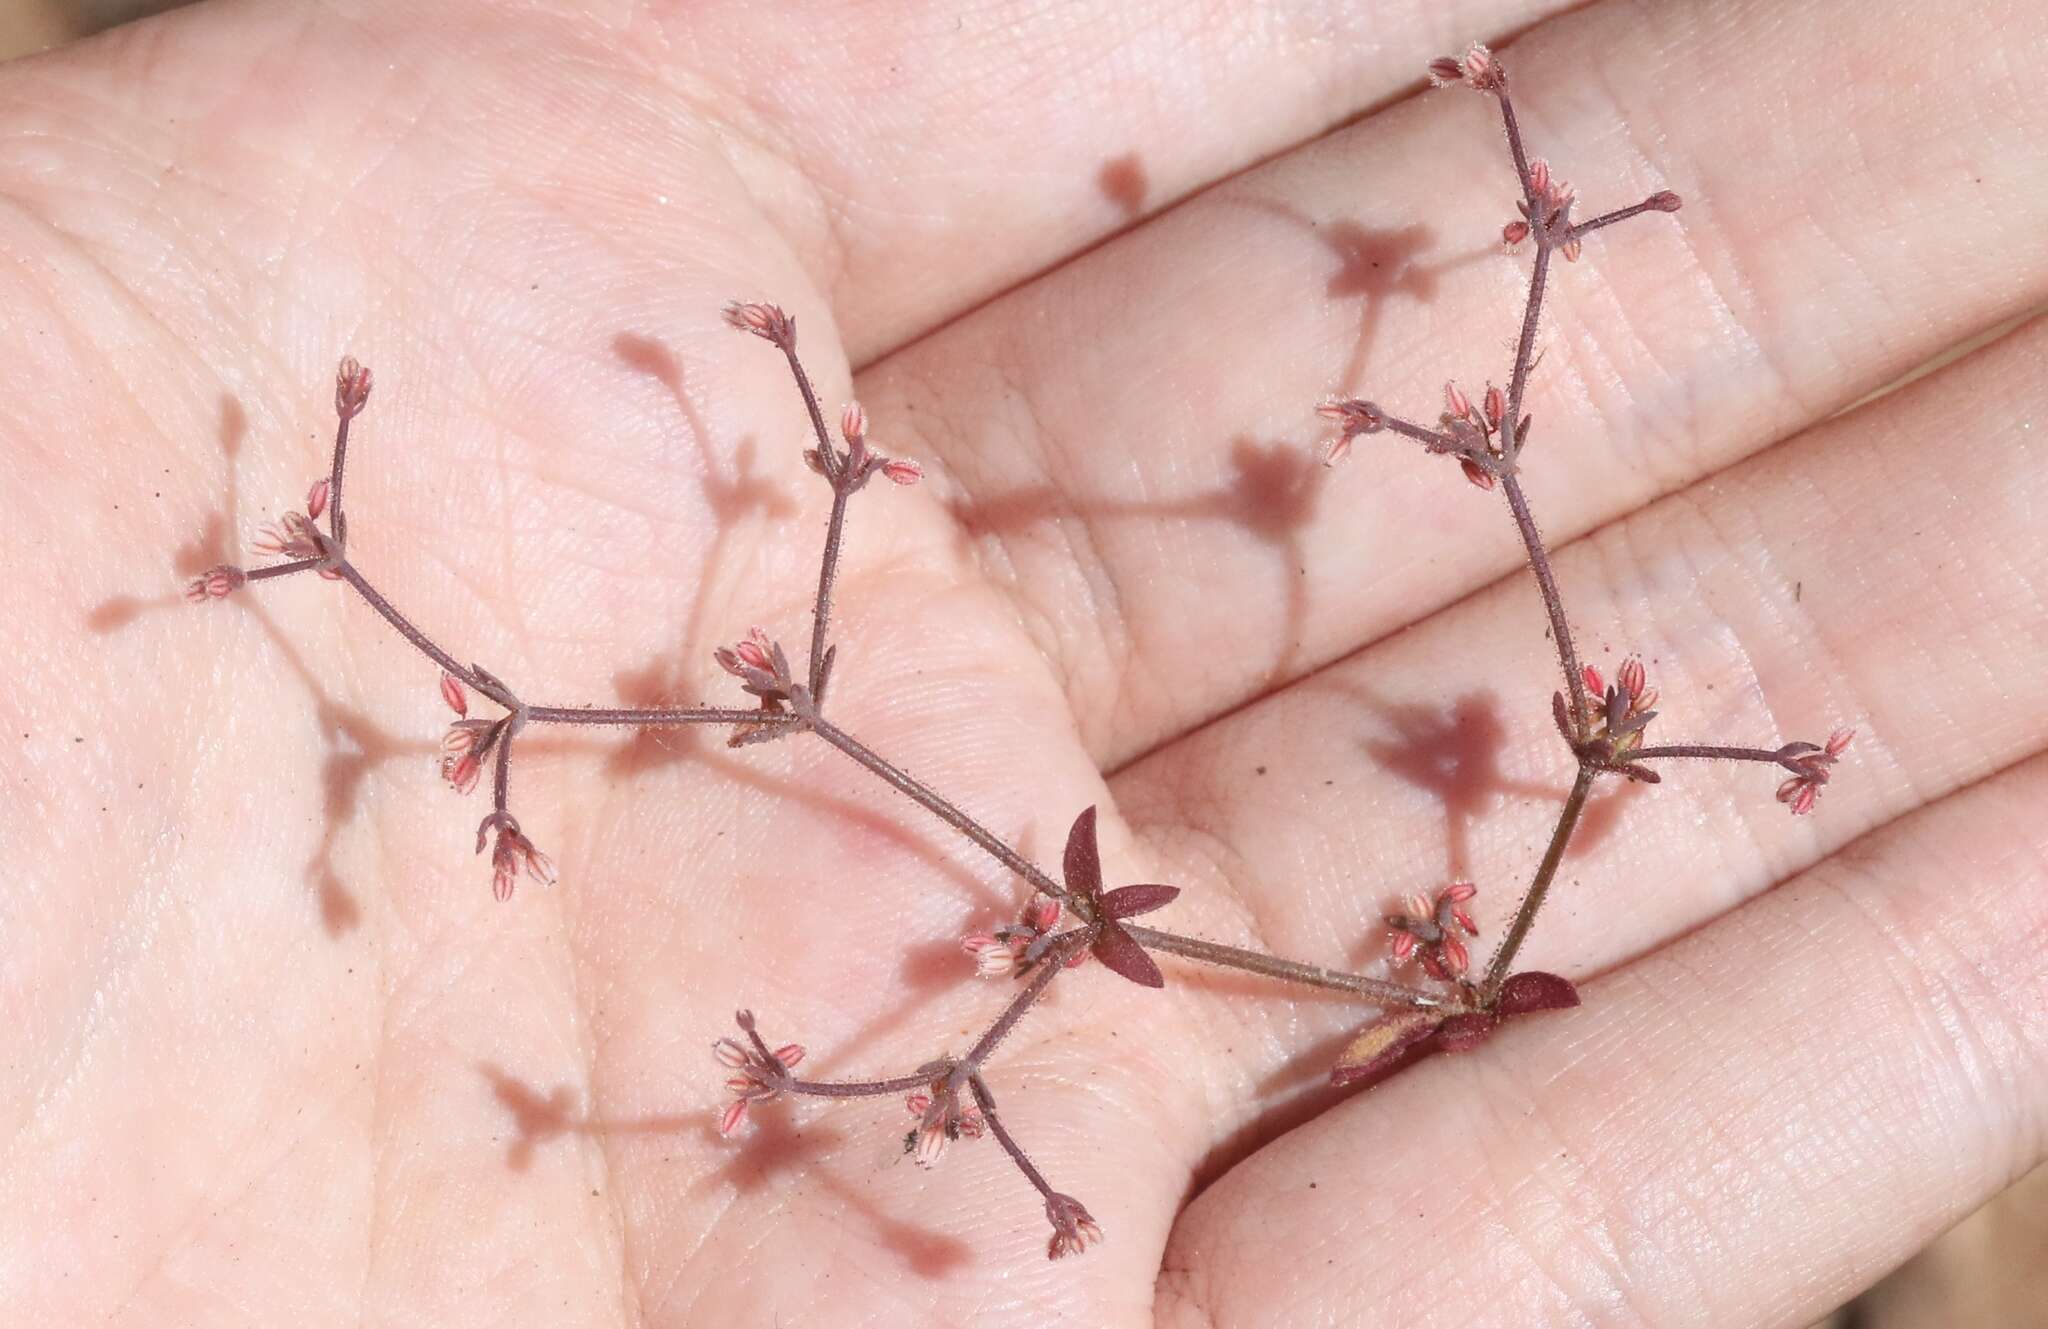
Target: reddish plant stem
(986, 1101)
(1049, 968)
(938, 805)
(1609, 218)
(901, 1084)
(501, 773)
(1767, 755)
(1553, 600)
(1514, 132)
(421, 642)
(281, 569)
(1525, 351)
(1525, 913)
(1272, 966)
(658, 717)
(336, 523)
(828, 571)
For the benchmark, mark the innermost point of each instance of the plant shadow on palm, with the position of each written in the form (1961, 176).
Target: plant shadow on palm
(777, 1150)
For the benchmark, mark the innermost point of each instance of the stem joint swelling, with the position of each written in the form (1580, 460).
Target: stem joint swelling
(1075, 919)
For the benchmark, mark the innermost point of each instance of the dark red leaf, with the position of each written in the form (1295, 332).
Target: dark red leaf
(1122, 956)
(1533, 990)
(1465, 1031)
(1127, 901)
(1083, 863)
(1381, 1044)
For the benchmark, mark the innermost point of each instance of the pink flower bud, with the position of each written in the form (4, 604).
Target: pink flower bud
(1633, 677)
(1476, 473)
(1571, 249)
(1444, 71)
(765, 321)
(215, 583)
(853, 422)
(452, 693)
(753, 649)
(1337, 449)
(1539, 177)
(351, 388)
(1456, 403)
(1594, 683)
(316, 499)
(1839, 741)
(789, 1054)
(1514, 233)
(1074, 1229)
(463, 772)
(729, 1053)
(1665, 201)
(931, 1140)
(1482, 71)
(993, 957)
(1496, 406)
(734, 1116)
(902, 471)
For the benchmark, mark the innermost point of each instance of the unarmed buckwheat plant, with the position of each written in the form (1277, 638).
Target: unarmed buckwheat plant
(1067, 921)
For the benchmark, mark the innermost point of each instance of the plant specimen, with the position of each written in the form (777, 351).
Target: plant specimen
(1078, 917)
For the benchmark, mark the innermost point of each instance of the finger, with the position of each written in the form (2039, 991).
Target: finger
(924, 157)
(1149, 497)
(1860, 574)
(1746, 1128)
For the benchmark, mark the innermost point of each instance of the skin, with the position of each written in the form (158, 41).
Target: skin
(276, 1056)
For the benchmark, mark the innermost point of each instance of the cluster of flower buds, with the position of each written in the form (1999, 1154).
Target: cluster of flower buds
(1551, 212)
(767, 322)
(465, 748)
(1015, 949)
(468, 743)
(1474, 427)
(1074, 1229)
(511, 854)
(1810, 765)
(216, 583)
(1353, 417)
(1622, 709)
(758, 1074)
(853, 468)
(941, 1117)
(1429, 929)
(1478, 70)
(351, 388)
(762, 667)
(294, 535)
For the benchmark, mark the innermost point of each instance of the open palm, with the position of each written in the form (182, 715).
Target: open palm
(277, 1055)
